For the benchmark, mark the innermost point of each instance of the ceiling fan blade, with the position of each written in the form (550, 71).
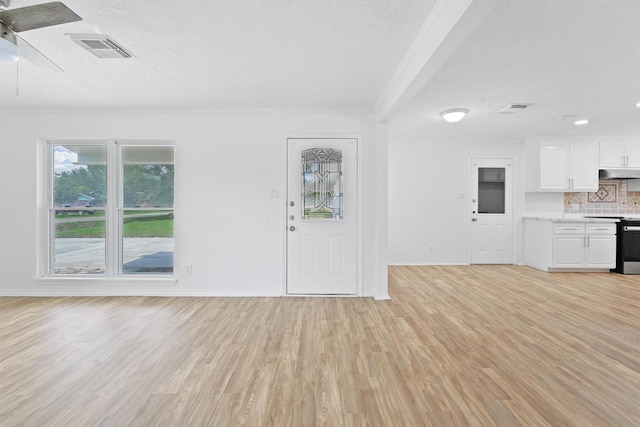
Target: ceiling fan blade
(38, 16)
(33, 55)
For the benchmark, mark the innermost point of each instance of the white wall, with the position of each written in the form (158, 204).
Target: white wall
(429, 197)
(227, 226)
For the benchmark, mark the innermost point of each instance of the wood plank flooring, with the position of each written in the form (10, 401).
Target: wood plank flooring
(456, 346)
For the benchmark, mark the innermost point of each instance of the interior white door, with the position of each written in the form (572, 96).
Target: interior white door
(491, 211)
(322, 231)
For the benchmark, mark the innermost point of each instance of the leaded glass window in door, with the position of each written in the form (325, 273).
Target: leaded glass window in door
(322, 196)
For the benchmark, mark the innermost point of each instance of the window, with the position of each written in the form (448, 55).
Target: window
(109, 209)
(491, 190)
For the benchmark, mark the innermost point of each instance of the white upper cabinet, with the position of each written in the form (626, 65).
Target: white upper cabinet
(619, 154)
(554, 166)
(583, 166)
(563, 166)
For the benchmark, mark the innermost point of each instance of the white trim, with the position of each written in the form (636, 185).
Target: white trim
(410, 264)
(359, 204)
(105, 281)
(121, 292)
(382, 297)
(322, 296)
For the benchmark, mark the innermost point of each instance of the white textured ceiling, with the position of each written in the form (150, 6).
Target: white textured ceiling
(570, 58)
(313, 54)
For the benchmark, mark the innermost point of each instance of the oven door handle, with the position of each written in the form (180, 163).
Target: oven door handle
(631, 228)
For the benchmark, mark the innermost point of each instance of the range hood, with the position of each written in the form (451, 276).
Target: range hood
(619, 173)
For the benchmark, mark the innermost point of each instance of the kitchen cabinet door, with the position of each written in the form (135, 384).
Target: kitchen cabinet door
(632, 151)
(568, 166)
(619, 154)
(584, 166)
(554, 166)
(568, 251)
(600, 251)
(612, 154)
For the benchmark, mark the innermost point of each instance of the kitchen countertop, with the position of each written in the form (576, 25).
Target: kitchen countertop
(604, 216)
(569, 218)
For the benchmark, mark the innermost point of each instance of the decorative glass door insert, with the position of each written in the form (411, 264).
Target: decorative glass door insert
(322, 196)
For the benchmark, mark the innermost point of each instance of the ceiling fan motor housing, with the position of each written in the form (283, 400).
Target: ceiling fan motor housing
(8, 45)
(7, 34)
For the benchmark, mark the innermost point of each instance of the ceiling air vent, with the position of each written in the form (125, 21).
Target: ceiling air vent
(512, 108)
(100, 45)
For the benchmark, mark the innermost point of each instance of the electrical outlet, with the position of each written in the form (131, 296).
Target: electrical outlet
(189, 270)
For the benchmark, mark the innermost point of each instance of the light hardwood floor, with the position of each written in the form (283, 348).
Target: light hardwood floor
(456, 346)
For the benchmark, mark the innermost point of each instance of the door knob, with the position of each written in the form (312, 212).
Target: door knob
(292, 228)
(474, 219)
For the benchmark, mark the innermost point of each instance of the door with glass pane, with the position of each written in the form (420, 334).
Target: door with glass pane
(322, 217)
(491, 211)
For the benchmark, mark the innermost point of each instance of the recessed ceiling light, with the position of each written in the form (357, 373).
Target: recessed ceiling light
(581, 122)
(638, 105)
(454, 115)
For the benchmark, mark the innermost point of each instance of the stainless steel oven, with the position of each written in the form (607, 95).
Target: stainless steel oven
(628, 247)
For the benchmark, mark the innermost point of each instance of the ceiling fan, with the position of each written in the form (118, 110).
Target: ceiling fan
(27, 18)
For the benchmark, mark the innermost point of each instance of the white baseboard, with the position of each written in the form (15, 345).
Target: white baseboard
(382, 297)
(407, 264)
(124, 293)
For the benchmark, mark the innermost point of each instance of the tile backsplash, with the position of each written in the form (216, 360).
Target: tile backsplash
(611, 198)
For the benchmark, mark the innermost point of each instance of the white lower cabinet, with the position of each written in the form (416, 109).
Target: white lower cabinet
(561, 245)
(600, 251)
(585, 245)
(568, 251)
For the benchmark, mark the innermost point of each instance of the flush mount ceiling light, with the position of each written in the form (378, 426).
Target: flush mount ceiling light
(454, 115)
(638, 105)
(581, 122)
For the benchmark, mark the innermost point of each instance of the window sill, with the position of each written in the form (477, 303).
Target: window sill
(108, 281)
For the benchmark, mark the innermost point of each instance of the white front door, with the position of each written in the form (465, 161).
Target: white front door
(491, 211)
(322, 232)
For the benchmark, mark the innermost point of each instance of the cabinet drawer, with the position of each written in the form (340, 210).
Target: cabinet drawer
(568, 228)
(601, 229)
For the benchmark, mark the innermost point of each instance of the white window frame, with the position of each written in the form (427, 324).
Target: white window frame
(113, 216)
